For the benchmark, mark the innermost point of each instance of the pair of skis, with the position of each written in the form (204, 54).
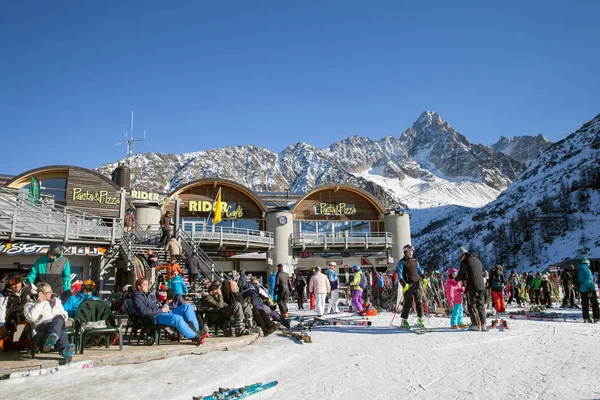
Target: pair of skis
(238, 393)
(340, 321)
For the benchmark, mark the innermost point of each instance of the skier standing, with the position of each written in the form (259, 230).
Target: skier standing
(497, 283)
(567, 282)
(356, 289)
(454, 293)
(411, 274)
(536, 285)
(319, 285)
(283, 288)
(587, 291)
(515, 288)
(546, 290)
(333, 282)
(471, 271)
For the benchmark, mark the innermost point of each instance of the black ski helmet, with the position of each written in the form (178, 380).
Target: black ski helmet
(55, 249)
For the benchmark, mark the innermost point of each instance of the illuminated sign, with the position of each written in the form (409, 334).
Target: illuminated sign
(230, 210)
(335, 209)
(101, 197)
(140, 195)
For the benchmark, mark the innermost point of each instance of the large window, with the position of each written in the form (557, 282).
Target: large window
(332, 227)
(55, 187)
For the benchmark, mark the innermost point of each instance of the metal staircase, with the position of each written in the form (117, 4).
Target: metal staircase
(209, 267)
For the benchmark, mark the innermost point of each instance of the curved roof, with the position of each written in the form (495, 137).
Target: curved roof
(352, 189)
(24, 178)
(222, 182)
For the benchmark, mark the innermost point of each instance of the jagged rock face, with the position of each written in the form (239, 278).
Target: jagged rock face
(559, 192)
(435, 145)
(422, 152)
(522, 148)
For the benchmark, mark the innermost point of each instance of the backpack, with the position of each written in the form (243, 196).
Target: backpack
(380, 281)
(496, 282)
(363, 281)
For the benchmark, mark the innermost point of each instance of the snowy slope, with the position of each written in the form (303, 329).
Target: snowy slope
(550, 213)
(531, 360)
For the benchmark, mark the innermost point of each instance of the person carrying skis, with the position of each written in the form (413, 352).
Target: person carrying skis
(587, 291)
(411, 274)
(333, 283)
(471, 271)
(454, 293)
(497, 283)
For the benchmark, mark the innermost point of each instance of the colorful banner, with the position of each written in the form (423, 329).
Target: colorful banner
(34, 249)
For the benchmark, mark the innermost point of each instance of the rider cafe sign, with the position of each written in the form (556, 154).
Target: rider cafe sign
(229, 209)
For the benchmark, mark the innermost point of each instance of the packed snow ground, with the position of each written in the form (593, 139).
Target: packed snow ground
(531, 360)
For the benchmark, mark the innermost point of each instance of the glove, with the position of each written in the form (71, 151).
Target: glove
(66, 294)
(405, 288)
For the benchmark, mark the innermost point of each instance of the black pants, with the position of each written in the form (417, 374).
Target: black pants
(282, 300)
(569, 299)
(378, 298)
(300, 299)
(535, 299)
(586, 298)
(57, 325)
(546, 299)
(414, 291)
(262, 319)
(165, 236)
(476, 306)
(515, 293)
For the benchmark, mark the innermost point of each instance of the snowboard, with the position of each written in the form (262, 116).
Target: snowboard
(49, 370)
(297, 335)
(238, 393)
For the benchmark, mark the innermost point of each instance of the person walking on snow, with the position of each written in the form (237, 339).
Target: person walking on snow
(283, 290)
(333, 282)
(471, 271)
(319, 285)
(454, 293)
(411, 274)
(587, 292)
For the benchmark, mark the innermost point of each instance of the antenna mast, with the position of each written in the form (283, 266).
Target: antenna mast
(130, 142)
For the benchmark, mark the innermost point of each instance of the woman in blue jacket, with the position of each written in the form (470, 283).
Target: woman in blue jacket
(178, 284)
(588, 292)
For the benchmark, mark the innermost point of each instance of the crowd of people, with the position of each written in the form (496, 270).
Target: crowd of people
(239, 304)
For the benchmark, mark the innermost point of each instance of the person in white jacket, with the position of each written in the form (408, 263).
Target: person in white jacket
(49, 316)
(319, 285)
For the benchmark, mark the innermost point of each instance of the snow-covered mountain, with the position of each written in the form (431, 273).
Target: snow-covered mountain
(457, 191)
(522, 148)
(550, 213)
(429, 165)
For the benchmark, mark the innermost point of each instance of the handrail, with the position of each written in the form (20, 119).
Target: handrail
(190, 246)
(346, 239)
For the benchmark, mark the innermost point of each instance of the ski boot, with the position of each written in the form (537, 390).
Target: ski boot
(462, 325)
(454, 327)
(405, 324)
(504, 324)
(494, 324)
(474, 328)
(68, 353)
(50, 342)
(484, 328)
(420, 323)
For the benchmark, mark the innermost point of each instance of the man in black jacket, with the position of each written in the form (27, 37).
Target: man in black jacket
(410, 273)
(471, 271)
(193, 265)
(182, 318)
(283, 288)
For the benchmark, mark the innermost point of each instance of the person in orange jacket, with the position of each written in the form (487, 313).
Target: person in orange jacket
(170, 267)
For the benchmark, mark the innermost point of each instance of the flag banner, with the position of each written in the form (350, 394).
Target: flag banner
(217, 209)
(34, 191)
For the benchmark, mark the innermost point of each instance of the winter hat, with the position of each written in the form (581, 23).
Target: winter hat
(408, 247)
(545, 277)
(584, 260)
(355, 267)
(332, 265)
(461, 250)
(452, 271)
(280, 267)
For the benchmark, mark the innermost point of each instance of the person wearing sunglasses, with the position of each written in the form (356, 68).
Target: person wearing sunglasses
(12, 299)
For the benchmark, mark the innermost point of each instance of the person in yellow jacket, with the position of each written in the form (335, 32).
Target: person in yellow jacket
(356, 287)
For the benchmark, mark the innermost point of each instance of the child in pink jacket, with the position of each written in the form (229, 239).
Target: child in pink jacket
(454, 292)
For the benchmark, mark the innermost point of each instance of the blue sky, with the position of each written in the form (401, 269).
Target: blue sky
(202, 75)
